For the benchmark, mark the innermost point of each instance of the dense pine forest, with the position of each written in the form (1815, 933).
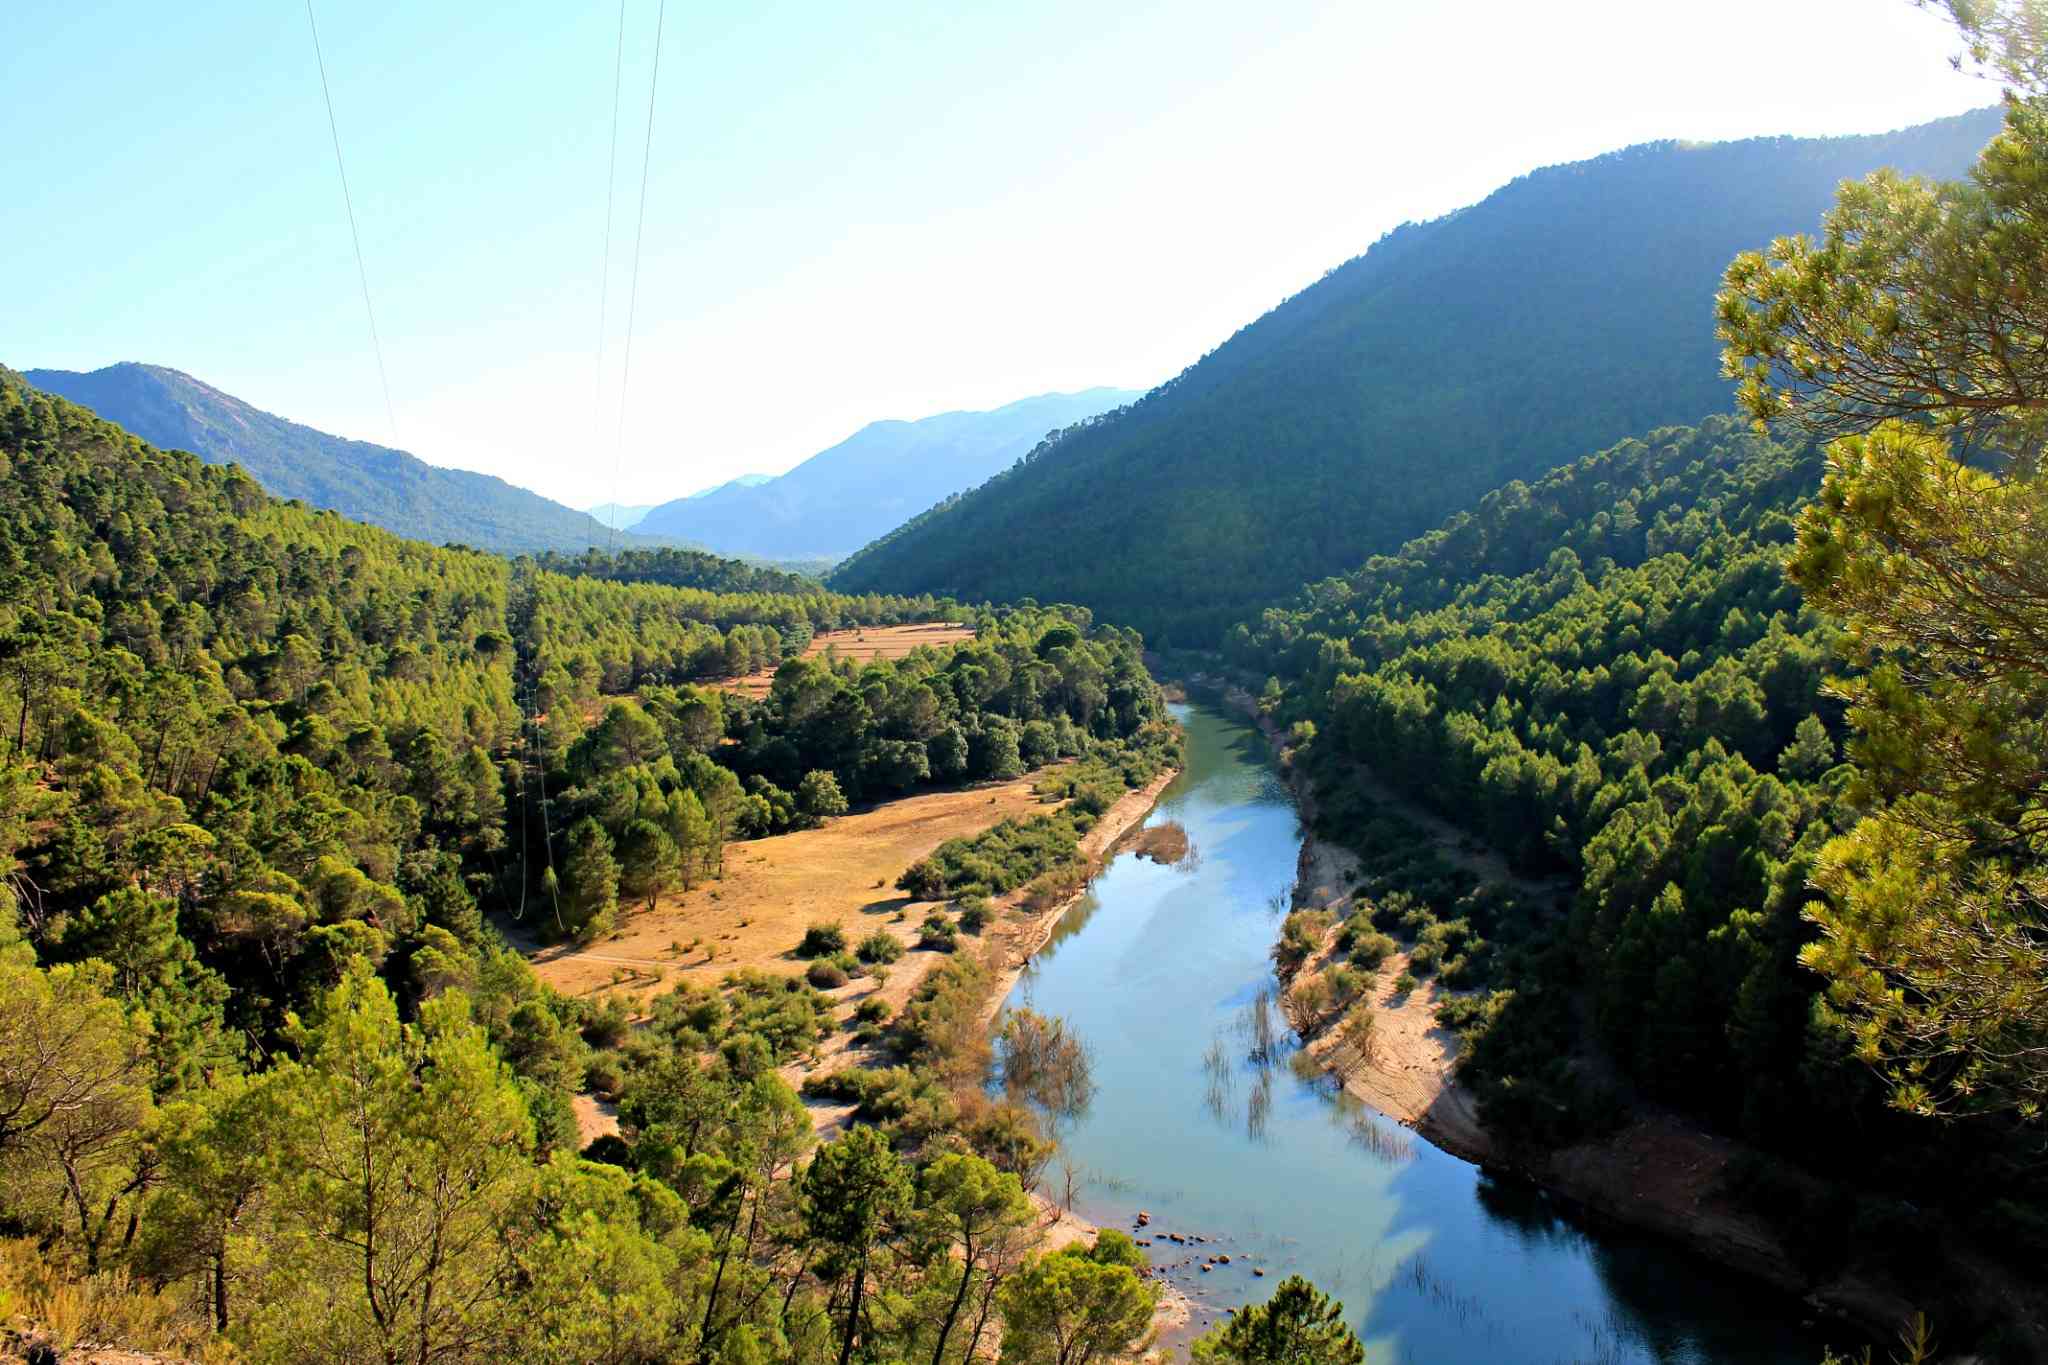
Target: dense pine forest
(1755, 709)
(360, 480)
(269, 1077)
(1740, 726)
(1608, 676)
(1569, 309)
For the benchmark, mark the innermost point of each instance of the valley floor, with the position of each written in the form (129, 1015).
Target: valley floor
(842, 873)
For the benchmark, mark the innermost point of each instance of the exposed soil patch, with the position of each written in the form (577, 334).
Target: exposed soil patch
(843, 873)
(862, 645)
(595, 1118)
(1408, 1074)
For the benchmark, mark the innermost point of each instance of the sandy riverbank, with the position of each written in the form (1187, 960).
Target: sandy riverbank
(1659, 1172)
(1021, 935)
(1011, 940)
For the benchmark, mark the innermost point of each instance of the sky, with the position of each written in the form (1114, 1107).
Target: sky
(852, 211)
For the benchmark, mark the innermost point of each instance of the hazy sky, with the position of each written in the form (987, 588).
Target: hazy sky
(855, 210)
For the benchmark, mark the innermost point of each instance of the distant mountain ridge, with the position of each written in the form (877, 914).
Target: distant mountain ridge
(845, 496)
(363, 481)
(1565, 311)
(621, 516)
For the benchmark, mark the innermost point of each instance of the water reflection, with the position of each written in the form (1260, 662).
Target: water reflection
(1163, 969)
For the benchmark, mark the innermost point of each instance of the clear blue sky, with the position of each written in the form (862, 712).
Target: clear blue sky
(856, 210)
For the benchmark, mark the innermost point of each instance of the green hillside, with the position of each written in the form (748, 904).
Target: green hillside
(271, 1086)
(1607, 676)
(1568, 310)
(360, 480)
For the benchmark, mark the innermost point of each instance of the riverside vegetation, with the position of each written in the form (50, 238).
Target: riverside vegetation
(1769, 702)
(270, 1082)
(1783, 746)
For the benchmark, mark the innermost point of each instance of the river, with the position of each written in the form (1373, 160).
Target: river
(1164, 971)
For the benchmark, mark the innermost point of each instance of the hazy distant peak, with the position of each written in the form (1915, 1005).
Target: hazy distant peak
(881, 475)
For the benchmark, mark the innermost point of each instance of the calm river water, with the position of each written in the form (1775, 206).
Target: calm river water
(1164, 971)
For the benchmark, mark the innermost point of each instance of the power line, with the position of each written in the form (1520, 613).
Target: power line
(633, 293)
(348, 201)
(547, 835)
(604, 279)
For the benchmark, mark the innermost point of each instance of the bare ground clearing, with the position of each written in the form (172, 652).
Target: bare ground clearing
(863, 644)
(775, 888)
(843, 873)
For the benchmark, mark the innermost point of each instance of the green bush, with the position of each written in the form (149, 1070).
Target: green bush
(822, 940)
(880, 946)
(826, 975)
(938, 934)
(1300, 935)
(1372, 948)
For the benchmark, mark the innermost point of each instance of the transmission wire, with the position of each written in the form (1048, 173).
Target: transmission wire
(633, 292)
(355, 238)
(604, 279)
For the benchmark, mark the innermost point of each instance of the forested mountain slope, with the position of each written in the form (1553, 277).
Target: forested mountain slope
(882, 475)
(1608, 676)
(362, 481)
(262, 773)
(1567, 310)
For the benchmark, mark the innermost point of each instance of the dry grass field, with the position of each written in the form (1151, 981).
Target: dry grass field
(842, 873)
(863, 644)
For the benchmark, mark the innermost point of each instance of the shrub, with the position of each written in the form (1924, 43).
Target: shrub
(1050, 888)
(822, 940)
(1424, 957)
(1372, 948)
(71, 1307)
(1356, 1032)
(604, 1073)
(872, 1010)
(880, 946)
(975, 913)
(938, 934)
(606, 1023)
(825, 975)
(1344, 984)
(1405, 983)
(924, 879)
(1300, 935)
